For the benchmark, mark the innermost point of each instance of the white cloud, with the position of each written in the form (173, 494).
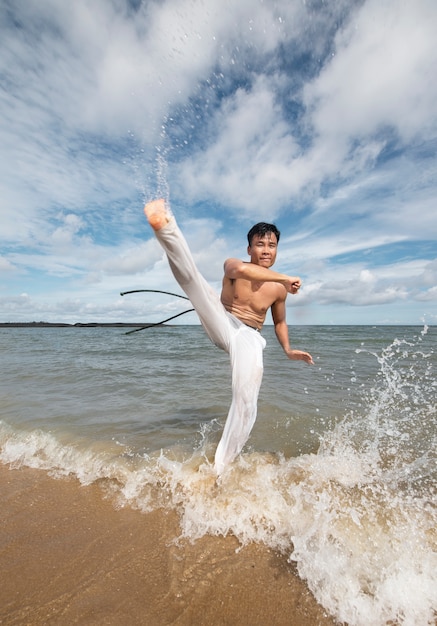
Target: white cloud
(5, 265)
(133, 260)
(358, 286)
(378, 82)
(380, 75)
(64, 234)
(249, 164)
(430, 295)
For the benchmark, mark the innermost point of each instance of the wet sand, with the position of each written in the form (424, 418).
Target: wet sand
(68, 556)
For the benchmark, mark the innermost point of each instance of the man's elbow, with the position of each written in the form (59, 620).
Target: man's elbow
(233, 268)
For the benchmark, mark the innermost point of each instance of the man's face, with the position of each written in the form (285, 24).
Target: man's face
(262, 250)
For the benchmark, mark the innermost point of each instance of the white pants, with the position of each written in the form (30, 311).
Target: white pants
(243, 344)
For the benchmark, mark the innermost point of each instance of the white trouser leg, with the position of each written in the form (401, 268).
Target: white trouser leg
(247, 370)
(204, 299)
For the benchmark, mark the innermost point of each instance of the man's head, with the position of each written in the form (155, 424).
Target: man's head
(262, 229)
(263, 241)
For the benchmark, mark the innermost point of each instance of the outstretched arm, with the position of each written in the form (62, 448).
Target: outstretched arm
(235, 268)
(281, 330)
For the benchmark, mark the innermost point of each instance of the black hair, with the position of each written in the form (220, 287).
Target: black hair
(262, 229)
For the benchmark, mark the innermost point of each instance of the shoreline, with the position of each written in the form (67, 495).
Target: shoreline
(76, 325)
(69, 556)
(148, 324)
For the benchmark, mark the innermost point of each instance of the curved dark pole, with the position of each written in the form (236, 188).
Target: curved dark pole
(168, 293)
(159, 323)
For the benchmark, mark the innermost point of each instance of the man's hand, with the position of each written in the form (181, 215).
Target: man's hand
(292, 284)
(299, 355)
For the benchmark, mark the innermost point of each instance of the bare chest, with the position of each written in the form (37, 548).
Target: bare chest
(258, 296)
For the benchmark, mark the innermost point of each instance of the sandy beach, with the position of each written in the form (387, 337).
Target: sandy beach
(68, 556)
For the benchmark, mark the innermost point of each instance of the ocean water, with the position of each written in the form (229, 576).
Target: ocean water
(338, 476)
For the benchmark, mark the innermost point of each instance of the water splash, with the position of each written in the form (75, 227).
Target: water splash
(396, 431)
(149, 165)
(366, 538)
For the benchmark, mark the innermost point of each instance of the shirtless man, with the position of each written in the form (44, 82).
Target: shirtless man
(233, 321)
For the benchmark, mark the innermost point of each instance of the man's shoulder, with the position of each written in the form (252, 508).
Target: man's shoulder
(278, 291)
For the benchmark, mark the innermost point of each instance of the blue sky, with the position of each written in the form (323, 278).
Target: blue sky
(320, 116)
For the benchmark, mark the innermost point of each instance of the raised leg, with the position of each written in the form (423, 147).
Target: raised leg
(204, 299)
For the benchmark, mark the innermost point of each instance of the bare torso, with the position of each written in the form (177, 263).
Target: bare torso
(249, 301)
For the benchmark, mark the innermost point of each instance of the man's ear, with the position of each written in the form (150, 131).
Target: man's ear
(248, 250)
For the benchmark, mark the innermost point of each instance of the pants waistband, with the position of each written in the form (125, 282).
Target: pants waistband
(252, 327)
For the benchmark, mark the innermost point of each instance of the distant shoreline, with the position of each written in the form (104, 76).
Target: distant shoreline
(149, 324)
(76, 325)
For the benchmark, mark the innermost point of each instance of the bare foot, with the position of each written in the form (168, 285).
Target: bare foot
(157, 214)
